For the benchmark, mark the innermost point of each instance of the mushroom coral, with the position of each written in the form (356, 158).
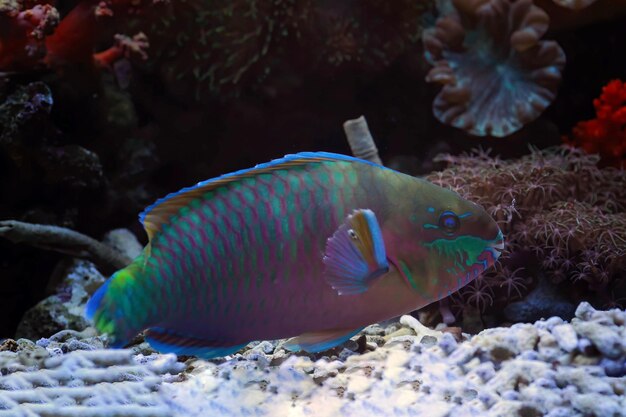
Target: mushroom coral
(497, 74)
(571, 14)
(574, 4)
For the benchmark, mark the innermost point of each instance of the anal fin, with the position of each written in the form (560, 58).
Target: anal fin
(167, 341)
(313, 342)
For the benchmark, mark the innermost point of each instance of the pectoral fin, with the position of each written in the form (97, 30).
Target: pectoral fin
(355, 254)
(320, 341)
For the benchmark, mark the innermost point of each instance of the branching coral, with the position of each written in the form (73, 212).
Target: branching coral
(562, 216)
(497, 74)
(606, 134)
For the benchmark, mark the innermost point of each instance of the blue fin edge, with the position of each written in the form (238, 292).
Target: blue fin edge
(287, 158)
(202, 351)
(93, 304)
(377, 236)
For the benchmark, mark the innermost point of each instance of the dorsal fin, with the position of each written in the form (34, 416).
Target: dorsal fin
(160, 213)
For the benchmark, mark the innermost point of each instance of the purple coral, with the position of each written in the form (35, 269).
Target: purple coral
(514, 284)
(564, 219)
(496, 73)
(478, 294)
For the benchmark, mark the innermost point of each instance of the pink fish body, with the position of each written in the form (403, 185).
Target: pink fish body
(313, 246)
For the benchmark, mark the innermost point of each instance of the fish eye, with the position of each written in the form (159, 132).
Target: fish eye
(449, 222)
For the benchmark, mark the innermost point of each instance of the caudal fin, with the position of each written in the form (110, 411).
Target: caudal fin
(94, 302)
(112, 307)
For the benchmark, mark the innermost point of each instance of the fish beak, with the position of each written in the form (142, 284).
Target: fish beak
(496, 246)
(499, 241)
(486, 259)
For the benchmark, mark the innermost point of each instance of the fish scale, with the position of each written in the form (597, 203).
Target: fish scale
(233, 204)
(243, 256)
(283, 190)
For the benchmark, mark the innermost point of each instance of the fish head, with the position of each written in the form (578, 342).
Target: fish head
(444, 242)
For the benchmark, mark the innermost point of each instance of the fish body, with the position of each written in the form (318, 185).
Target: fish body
(313, 246)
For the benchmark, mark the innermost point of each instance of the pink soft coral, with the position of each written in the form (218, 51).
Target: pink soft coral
(606, 134)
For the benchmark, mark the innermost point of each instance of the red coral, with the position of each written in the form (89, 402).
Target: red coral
(73, 40)
(22, 33)
(32, 34)
(606, 134)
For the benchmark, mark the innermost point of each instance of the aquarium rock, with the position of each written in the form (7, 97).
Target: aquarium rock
(79, 280)
(63, 310)
(544, 301)
(549, 368)
(123, 241)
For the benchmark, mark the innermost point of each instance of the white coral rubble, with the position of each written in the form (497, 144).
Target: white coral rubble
(550, 368)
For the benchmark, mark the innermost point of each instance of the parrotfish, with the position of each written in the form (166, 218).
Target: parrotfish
(312, 247)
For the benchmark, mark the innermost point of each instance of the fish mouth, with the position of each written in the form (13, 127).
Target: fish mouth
(493, 251)
(497, 246)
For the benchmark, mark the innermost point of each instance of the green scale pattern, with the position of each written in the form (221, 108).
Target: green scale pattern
(247, 236)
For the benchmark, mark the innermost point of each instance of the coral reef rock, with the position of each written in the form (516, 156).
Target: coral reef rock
(544, 301)
(549, 368)
(65, 309)
(79, 280)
